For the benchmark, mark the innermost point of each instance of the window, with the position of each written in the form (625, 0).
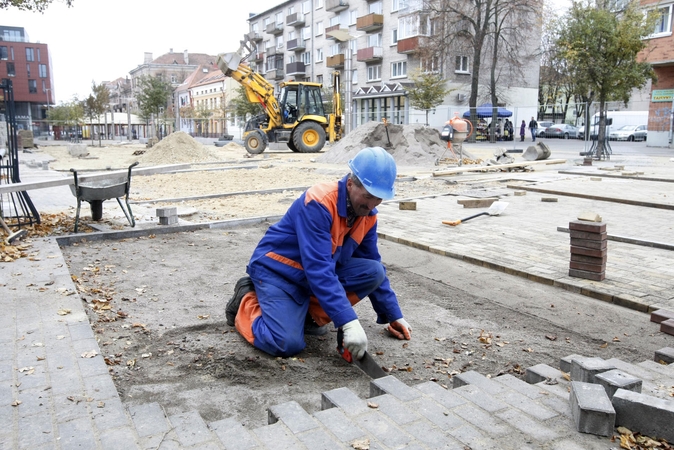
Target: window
(354, 77)
(3, 52)
(306, 33)
(174, 78)
(397, 5)
(318, 3)
(279, 18)
(266, 44)
(374, 40)
(319, 28)
(398, 69)
(334, 20)
(11, 72)
(319, 79)
(335, 49)
(319, 55)
(266, 21)
(415, 25)
(306, 58)
(664, 23)
(255, 27)
(353, 16)
(375, 7)
(461, 64)
(32, 86)
(28, 70)
(291, 10)
(374, 73)
(279, 41)
(11, 36)
(30, 54)
(353, 44)
(430, 64)
(291, 35)
(42, 70)
(306, 6)
(394, 36)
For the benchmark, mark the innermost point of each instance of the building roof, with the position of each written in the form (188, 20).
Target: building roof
(193, 59)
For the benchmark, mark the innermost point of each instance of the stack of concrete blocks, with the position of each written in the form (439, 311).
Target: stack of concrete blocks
(588, 250)
(167, 216)
(603, 397)
(666, 320)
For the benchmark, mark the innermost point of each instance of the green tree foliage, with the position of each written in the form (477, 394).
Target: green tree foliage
(29, 5)
(69, 116)
(153, 96)
(429, 91)
(96, 104)
(599, 46)
(241, 107)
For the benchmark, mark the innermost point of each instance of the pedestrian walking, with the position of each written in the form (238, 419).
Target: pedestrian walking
(533, 126)
(523, 130)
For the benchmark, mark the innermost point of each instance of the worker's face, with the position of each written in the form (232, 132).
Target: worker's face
(362, 201)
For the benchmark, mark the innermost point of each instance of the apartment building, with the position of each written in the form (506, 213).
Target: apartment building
(376, 46)
(28, 66)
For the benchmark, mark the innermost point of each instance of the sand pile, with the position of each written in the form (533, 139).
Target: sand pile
(176, 148)
(411, 145)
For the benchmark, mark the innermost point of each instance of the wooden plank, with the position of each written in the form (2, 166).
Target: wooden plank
(496, 167)
(27, 186)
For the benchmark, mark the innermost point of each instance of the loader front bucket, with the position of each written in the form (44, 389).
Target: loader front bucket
(228, 62)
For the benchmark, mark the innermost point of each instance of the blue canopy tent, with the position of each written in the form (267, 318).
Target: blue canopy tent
(486, 110)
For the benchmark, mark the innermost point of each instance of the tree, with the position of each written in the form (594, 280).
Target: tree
(30, 5)
(600, 47)
(241, 107)
(96, 104)
(429, 91)
(152, 97)
(67, 115)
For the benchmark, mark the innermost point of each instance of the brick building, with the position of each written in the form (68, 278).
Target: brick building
(28, 66)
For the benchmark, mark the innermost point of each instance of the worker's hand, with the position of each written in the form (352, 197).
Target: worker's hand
(400, 329)
(355, 339)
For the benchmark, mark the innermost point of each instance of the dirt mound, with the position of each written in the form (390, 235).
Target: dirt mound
(410, 145)
(176, 148)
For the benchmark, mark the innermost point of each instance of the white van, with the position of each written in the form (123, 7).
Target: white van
(618, 119)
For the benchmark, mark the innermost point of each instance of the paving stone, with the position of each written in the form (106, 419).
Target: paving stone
(527, 425)
(646, 414)
(436, 413)
(339, 425)
(190, 428)
(589, 227)
(277, 437)
(394, 409)
(558, 403)
(293, 416)
(591, 409)
(632, 369)
(432, 436)
(473, 438)
(383, 430)
(520, 386)
(665, 354)
(118, 439)
(479, 418)
(233, 435)
(149, 419)
(476, 379)
(667, 326)
(660, 315)
(395, 387)
(477, 396)
(584, 369)
(34, 430)
(167, 211)
(613, 380)
(344, 399)
(318, 439)
(109, 413)
(541, 372)
(100, 387)
(446, 397)
(560, 390)
(656, 368)
(528, 406)
(78, 433)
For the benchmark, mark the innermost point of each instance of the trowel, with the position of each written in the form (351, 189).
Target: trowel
(495, 209)
(367, 363)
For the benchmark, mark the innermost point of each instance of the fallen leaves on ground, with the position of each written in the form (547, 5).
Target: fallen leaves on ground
(637, 441)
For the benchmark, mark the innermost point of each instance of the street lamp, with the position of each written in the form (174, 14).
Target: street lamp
(48, 92)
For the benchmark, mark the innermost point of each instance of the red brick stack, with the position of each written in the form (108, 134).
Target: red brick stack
(588, 250)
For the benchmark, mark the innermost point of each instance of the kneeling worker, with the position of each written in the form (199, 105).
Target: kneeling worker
(318, 261)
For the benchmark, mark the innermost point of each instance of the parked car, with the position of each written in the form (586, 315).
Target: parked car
(542, 126)
(561, 130)
(629, 133)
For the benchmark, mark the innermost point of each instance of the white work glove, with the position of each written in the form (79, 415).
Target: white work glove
(400, 329)
(355, 339)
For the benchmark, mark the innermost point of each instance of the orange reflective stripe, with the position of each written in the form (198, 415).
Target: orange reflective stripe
(317, 313)
(284, 260)
(248, 312)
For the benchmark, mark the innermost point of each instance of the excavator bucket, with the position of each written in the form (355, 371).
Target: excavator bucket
(228, 61)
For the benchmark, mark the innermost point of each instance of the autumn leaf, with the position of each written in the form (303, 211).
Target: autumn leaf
(89, 354)
(604, 345)
(16, 402)
(63, 312)
(372, 405)
(550, 337)
(361, 444)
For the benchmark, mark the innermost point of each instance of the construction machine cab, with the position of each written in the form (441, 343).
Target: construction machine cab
(298, 100)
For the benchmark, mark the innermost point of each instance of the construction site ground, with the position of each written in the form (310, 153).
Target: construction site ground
(491, 295)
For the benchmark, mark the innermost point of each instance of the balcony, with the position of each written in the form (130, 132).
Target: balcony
(296, 45)
(271, 51)
(335, 61)
(295, 69)
(329, 29)
(411, 44)
(370, 54)
(336, 5)
(274, 28)
(274, 74)
(258, 57)
(371, 22)
(254, 36)
(295, 20)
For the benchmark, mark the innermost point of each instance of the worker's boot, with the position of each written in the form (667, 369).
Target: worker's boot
(311, 328)
(242, 287)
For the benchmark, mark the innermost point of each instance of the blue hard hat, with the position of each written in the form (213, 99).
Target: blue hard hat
(376, 169)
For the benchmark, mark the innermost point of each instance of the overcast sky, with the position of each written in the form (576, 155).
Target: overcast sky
(101, 41)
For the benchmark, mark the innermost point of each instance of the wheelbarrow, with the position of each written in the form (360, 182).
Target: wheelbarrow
(97, 192)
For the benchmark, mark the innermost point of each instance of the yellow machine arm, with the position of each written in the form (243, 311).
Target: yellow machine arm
(335, 120)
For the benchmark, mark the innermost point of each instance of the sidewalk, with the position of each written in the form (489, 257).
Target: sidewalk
(57, 394)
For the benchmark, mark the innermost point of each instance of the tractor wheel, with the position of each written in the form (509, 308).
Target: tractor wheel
(309, 137)
(255, 142)
(291, 146)
(96, 209)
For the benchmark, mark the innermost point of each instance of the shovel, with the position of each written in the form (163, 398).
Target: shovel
(11, 237)
(495, 209)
